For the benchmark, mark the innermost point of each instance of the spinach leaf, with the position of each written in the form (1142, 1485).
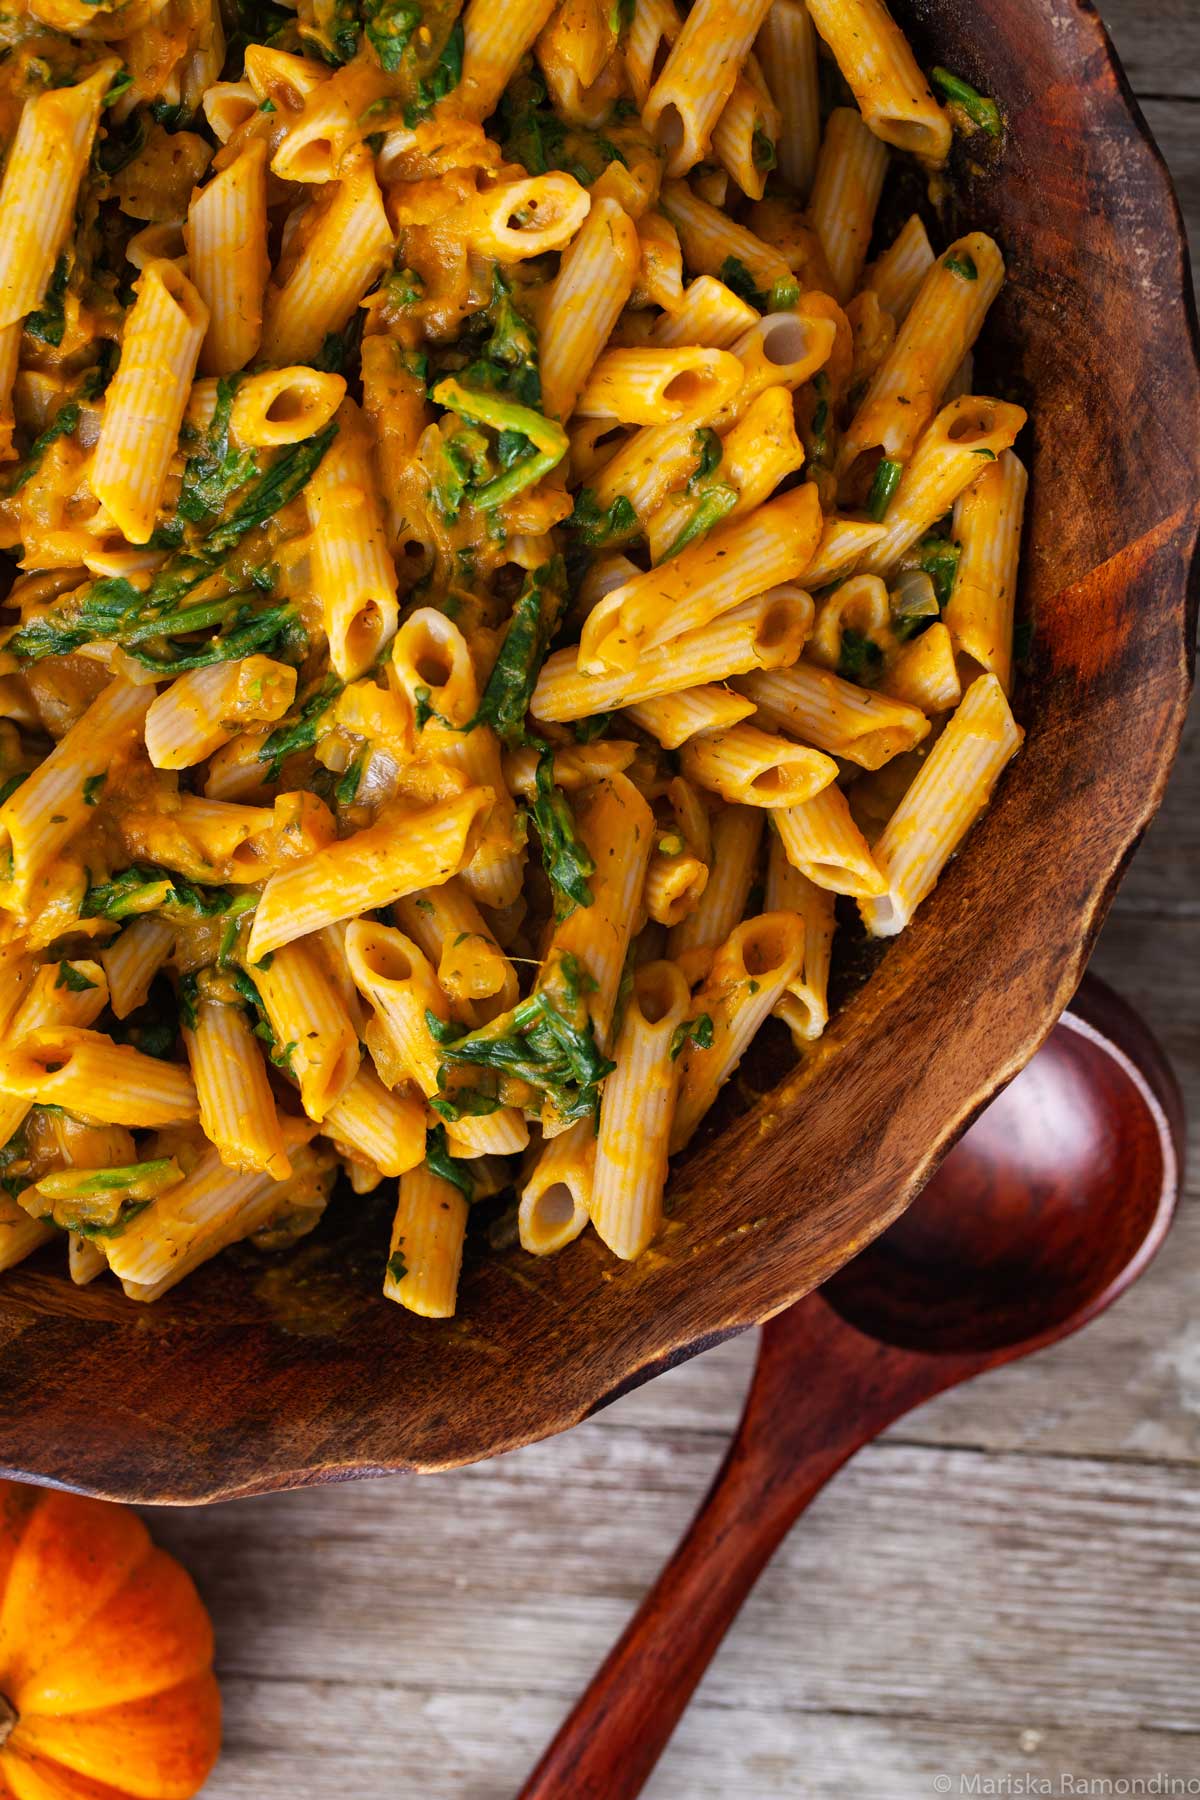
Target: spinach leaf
(299, 729)
(567, 858)
(49, 321)
(212, 474)
(597, 525)
(61, 425)
(860, 659)
(510, 686)
(439, 1161)
(978, 107)
(389, 26)
(286, 477)
(548, 1040)
(442, 79)
(698, 1031)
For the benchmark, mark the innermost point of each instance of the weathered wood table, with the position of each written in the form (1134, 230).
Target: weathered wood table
(1008, 1582)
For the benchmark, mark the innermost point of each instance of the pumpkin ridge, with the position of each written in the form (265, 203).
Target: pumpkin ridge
(46, 1770)
(18, 1507)
(86, 1621)
(113, 1543)
(168, 1743)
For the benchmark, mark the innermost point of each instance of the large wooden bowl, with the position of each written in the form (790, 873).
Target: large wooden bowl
(257, 1376)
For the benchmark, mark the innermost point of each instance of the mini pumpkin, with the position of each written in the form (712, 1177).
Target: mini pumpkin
(106, 1683)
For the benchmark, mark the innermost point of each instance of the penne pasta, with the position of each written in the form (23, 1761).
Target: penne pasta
(144, 406)
(636, 1113)
(953, 786)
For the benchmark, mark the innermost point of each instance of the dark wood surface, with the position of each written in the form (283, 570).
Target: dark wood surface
(240, 1381)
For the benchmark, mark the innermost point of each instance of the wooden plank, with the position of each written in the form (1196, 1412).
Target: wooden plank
(432, 1611)
(1176, 126)
(288, 1738)
(1159, 46)
(1162, 879)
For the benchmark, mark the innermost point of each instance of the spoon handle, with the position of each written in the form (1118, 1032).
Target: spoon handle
(779, 1460)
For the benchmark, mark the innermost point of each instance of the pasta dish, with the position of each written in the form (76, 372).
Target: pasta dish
(503, 536)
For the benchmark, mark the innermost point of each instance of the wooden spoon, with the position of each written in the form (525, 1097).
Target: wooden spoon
(1048, 1208)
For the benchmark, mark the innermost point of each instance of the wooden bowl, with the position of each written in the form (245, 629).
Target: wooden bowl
(264, 1374)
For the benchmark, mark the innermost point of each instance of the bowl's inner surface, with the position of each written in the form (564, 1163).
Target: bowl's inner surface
(258, 1372)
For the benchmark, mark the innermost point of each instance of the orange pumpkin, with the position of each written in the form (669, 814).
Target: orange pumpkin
(106, 1683)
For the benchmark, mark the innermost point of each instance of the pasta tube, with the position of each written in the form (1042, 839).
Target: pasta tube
(403, 852)
(951, 789)
(636, 1113)
(46, 163)
(767, 632)
(85, 1072)
(838, 716)
(352, 566)
(425, 1253)
(237, 1109)
(556, 1193)
(226, 237)
(750, 973)
(146, 399)
(987, 529)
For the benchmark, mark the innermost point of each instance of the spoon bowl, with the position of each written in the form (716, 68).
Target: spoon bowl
(1049, 1207)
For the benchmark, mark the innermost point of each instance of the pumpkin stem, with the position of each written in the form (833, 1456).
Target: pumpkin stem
(8, 1718)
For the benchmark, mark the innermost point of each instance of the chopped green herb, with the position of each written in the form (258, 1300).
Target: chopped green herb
(465, 1103)
(548, 1040)
(214, 471)
(588, 730)
(442, 79)
(404, 287)
(567, 858)
(286, 477)
(120, 84)
(510, 686)
(978, 107)
(739, 280)
(860, 659)
(598, 525)
(762, 149)
(883, 487)
(962, 265)
(49, 321)
(299, 729)
(92, 789)
(140, 889)
(439, 1161)
(710, 451)
(697, 1031)
(397, 1268)
(72, 979)
(939, 559)
(347, 788)
(713, 506)
(389, 26)
(338, 347)
(61, 425)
